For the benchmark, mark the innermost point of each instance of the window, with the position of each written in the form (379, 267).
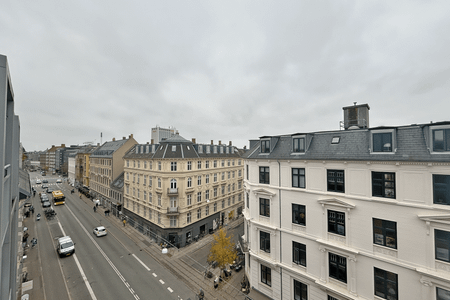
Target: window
(383, 184)
(223, 189)
(159, 218)
(150, 181)
(159, 182)
(266, 276)
(206, 210)
(150, 214)
(150, 197)
(199, 213)
(223, 175)
(386, 284)
(246, 167)
(442, 245)
(264, 175)
(229, 201)
(335, 179)
(145, 179)
(199, 164)
(189, 199)
(298, 253)
(189, 182)
(264, 241)
(300, 290)
(173, 183)
(207, 195)
(442, 294)
(215, 177)
(385, 233)
(174, 148)
(145, 196)
(215, 192)
(199, 180)
(173, 221)
(223, 161)
(173, 166)
(215, 207)
(128, 163)
(382, 142)
(189, 165)
(299, 214)
(298, 177)
(223, 203)
(331, 298)
(145, 164)
(215, 164)
(441, 189)
(441, 140)
(229, 174)
(264, 207)
(335, 140)
(299, 145)
(207, 179)
(336, 222)
(188, 217)
(239, 173)
(265, 146)
(159, 166)
(159, 200)
(207, 164)
(199, 197)
(337, 267)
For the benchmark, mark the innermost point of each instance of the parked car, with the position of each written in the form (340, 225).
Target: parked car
(58, 180)
(46, 204)
(44, 197)
(44, 186)
(100, 231)
(38, 181)
(45, 181)
(49, 190)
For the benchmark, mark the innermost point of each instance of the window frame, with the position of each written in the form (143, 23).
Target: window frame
(264, 175)
(297, 148)
(299, 253)
(264, 241)
(264, 207)
(386, 232)
(266, 275)
(382, 136)
(297, 176)
(298, 210)
(333, 221)
(380, 183)
(443, 240)
(447, 292)
(445, 139)
(383, 280)
(333, 184)
(441, 189)
(338, 265)
(302, 288)
(265, 146)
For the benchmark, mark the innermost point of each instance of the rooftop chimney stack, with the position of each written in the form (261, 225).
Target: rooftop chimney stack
(356, 116)
(193, 140)
(220, 142)
(230, 143)
(114, 139)
(212, 142)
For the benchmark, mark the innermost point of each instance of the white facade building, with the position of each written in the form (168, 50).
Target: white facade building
(71, 169)
(159, 134)
(352, 214)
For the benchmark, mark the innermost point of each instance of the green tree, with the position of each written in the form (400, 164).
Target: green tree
(222, 249)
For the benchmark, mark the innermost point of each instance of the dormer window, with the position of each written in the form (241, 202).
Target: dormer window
(383, 141)
(441, 140)
(298, 144)
(265, 146)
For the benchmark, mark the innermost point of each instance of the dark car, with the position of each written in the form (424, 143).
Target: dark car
(49, 190)
(45, 181)
(44, 186)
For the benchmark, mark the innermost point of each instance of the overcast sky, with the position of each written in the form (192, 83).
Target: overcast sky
(221, 70)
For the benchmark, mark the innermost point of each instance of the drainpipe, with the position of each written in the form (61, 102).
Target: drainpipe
(279, 209)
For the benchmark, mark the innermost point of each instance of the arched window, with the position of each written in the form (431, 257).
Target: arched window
(189, 182)
(173, 183)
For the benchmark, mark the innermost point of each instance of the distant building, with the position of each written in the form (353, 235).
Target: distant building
(106, 164)
(359, 213)
(178, 189)
(159, 134)
(10, 235)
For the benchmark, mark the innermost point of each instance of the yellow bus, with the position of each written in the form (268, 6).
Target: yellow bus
(58, 198)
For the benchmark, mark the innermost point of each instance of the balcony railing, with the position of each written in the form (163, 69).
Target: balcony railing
(172, 191)
(172, 210)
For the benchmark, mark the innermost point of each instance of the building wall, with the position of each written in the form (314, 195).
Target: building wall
(412, 210)
(71, 169)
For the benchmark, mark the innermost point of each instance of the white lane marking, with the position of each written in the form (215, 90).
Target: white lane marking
(88, 286)
(162, 282)
(155, 275)
(170, 290)
(105, 256)
(147, 268)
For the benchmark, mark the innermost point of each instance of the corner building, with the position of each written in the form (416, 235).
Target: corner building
(359, 213)
(178, 190)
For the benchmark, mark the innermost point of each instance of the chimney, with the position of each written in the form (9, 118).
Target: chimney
(151, 141)
(147, 143)
(114, 139)
(220, 142)
(98, 144)
(63, 145)
(212, 142)
(123, 138)
(131, 136)
(230, 143)
(193, 140)
(356, 116)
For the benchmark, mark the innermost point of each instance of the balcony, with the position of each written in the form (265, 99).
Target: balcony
(173, 211)
(172, 191)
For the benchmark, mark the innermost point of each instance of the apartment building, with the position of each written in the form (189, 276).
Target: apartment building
(9, 187)
(106, 164)
(178, 189)
(358, 213)
(159, 133)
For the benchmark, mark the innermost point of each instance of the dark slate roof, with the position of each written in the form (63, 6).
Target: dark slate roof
(411, 143)
(178, 147)
(108, 148)
(118, 182)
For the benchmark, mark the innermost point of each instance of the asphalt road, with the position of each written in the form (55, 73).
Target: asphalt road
(109, 267)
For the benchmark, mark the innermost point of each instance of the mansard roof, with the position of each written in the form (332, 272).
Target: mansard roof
(411, 143)
(108, 148)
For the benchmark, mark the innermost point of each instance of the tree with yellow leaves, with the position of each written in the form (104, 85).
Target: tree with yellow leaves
(222, 249)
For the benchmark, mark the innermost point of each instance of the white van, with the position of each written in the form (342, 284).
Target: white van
(65, 247)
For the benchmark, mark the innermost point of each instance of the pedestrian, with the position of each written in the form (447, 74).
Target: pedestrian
(124, 222)
(105, 213)
(95, 208)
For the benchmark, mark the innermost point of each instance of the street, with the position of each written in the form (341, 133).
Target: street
(108, 267)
